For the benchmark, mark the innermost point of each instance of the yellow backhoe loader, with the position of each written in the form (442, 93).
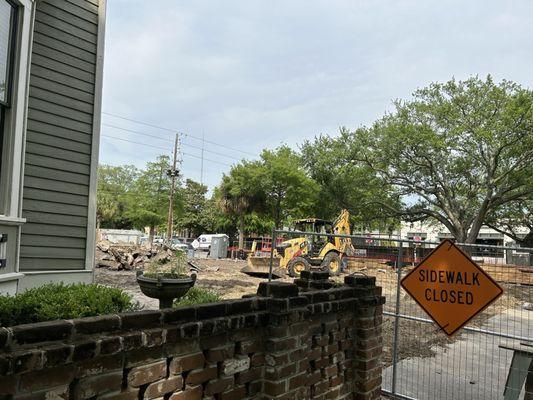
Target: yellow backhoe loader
(323, 252)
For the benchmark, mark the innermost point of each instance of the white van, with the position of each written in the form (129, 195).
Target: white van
(204, 241)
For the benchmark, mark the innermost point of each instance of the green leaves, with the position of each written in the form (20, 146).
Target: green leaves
(60, 301)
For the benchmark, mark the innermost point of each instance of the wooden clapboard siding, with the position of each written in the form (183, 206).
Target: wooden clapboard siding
(59, 135)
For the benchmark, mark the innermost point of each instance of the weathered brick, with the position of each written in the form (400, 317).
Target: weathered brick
(172, 316)
(93, 386)
(218, 385)
(139, 376)
(110, 345)
(220, 353)
(212, 310)
(249, 346)
(257, 360)
(132, 341)
(57, 355)
(127, 394)
(232, 366)
(320, 388)
(153, 337)
(163, 387)
(277, 289)
(236, 393)
(186, 363)
(330, 370)
(58, 393)
(253, 388)
(240, 306)
(248, 376)
(140, 319)
(8, 385)
(47, 378)
(41, 332)
(280, 372)
(297, 381)
(190, 393)
(84, 350)
(100, 365)
(5, 365)
(280, 344)
(201, 375)
(143, 356)
(275, 388)
(335, 381)
(4, 337)
(28, 360)
(90, 325)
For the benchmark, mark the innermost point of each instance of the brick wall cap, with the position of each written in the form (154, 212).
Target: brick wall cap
(277, 289)
(102, 323)
(315, 275)
(42, 331)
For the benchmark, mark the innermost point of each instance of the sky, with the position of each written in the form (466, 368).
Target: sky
(249, 75)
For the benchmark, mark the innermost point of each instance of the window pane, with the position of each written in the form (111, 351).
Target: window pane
(6, 26)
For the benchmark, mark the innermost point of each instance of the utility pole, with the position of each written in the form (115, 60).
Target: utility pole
(173, 174)
(202, 166)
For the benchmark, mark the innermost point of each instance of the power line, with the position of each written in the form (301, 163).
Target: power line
(164, 148)
(170, 141)
(206, 159)
(175, 130)
(131, 141)
(138, 133)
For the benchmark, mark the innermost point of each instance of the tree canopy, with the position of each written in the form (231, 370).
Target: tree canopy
(458, 153)
(453, 153)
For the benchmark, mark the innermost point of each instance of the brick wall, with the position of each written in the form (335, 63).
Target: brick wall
(307, 340)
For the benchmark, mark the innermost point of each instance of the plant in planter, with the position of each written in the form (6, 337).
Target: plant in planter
(166, 280)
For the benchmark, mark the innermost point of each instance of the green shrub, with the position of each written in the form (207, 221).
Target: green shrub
(197, 295)
(60, 301)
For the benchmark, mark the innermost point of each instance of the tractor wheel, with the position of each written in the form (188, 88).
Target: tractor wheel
(296, 266)
(332, 263)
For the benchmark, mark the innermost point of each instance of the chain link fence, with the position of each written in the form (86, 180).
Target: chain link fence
(488, 359)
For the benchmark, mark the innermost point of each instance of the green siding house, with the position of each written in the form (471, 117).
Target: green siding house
(51, 58)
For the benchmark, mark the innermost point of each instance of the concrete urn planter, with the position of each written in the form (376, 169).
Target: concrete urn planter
(165, 288)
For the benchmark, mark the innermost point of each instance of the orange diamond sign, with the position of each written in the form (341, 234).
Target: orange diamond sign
(450, 287)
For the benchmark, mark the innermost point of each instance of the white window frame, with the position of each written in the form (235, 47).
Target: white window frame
(12, 172)
(15, 118)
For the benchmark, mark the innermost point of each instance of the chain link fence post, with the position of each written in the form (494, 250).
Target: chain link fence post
(399, 265)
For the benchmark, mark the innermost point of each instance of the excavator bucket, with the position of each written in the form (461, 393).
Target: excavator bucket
(260, 266)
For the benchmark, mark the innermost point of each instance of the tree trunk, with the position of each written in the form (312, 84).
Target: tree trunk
(241, 231)
(151, 235)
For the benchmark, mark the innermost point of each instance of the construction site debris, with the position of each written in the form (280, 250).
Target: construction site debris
(129, 257)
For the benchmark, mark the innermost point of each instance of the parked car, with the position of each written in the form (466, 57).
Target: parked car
(203, 242)
(178, 244)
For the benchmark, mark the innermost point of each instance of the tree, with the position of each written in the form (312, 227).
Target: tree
(514, 220)
(289, 191)
(344, 184)
(240, 193)
(148, 198)
(458, 151)
(114, 184)
(194, 208)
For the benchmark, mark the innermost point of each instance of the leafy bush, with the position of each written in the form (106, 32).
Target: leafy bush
(60, 301)
(197, 295)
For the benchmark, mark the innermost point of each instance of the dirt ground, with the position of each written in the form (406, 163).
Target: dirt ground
(417, 338)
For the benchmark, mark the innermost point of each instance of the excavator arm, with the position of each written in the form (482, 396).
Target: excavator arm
(341, 226)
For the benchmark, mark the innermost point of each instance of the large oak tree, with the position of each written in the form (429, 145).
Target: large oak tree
(456, 152)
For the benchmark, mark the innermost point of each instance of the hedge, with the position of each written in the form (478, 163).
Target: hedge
(60, 301)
